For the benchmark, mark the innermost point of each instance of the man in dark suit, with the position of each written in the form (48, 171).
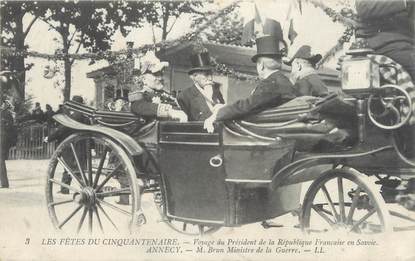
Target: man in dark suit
(388, 28)
(304, 75)
(273, 90)
(198, 100)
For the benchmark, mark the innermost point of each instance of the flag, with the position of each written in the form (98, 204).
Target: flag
(270, 17)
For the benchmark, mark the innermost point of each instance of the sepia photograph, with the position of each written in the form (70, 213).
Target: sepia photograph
(207, 130)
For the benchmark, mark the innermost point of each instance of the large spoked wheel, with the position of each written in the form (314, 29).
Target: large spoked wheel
(92, 187)
(344, 200)
(184, 228)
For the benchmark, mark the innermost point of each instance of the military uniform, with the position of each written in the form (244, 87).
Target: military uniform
(151, 104)
(311, 85)
(388, 27)
(271, 92)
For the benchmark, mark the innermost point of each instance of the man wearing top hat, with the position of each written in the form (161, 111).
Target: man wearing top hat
(304, 75)
(273, 90)
(199, 100)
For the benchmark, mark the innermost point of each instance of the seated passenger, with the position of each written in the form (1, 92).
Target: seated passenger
(304, 75)
(388, 29)
(273, 90)
(198, 100)
(148, 98)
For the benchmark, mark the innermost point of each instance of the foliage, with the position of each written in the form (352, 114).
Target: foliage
(225, 30)
(13, 34)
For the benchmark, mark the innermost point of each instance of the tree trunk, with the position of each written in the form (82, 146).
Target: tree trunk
(67, 64)
(68, 75)
(18, 63)
(166, 15)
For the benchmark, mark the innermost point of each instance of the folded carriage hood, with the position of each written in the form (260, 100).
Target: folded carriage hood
(128, 143)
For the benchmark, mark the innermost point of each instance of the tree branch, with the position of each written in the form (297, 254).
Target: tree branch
(51, 25)
(29, 27)
(72, 36)
(79, 46)
(171, 27)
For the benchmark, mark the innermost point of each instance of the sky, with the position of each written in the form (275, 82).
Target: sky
(314, 27)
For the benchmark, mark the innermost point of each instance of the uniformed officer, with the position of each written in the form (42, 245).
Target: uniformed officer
(273, 90)
(304, 75)
(148, 99)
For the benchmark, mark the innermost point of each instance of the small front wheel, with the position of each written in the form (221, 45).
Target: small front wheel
(344, 200)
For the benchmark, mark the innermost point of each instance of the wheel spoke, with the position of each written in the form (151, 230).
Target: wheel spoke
(89, 161)
(328, 198)
(100, 165)
(341, 199)
(399, 215)
(106, 215)
(78, 164)
(357, 224)
(90, 216)
(98, 218)
(70, 216)
(353, 206)
(324, 216)
(114, 207)
(64, 185)
(108, 178)
(81, 221)
(69, 170)
(118, 192)
(60, 202)
(201, 230)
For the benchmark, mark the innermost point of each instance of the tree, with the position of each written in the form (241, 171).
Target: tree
(13, 34)
(226, 30)
(90, 25)
(165, 14)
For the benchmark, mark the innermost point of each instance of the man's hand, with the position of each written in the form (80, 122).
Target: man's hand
(208, 124)
(178, 115)
(46, 139)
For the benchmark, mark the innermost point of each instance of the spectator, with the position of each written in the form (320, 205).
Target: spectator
(37, 113)
(48, 115)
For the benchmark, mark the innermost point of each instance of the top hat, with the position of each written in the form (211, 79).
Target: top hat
(304, 52)
(269, 46)
(200, 62)
(78, 99)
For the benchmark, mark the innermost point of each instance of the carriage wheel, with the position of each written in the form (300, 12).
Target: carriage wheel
(91, 186)
(185, 228)
(344, 200)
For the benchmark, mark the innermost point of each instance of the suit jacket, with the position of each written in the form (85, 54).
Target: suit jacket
(193, 103)
(386, 22)
(270, 92)
(311, 85)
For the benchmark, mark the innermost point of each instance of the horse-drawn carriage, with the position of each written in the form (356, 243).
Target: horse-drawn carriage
(203, 181)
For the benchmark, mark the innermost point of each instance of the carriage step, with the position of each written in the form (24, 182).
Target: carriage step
(270, 224)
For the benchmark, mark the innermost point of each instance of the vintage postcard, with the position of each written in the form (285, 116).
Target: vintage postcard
(207, 130)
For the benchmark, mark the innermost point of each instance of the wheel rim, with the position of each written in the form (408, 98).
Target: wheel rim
(344, 200)
(184, 228)
(86, 176)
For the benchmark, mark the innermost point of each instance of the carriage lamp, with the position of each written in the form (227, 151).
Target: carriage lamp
(359, 74)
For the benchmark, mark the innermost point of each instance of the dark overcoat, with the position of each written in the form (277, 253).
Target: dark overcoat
(311, 85)
(270, 92)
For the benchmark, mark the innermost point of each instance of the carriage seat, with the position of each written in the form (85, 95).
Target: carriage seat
(124, 121)
(315, 124)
